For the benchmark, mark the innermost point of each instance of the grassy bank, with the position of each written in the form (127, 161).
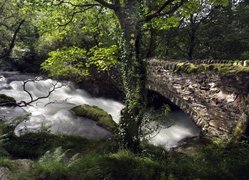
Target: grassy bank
(70, 157)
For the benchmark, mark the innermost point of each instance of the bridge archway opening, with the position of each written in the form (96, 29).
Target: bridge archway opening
(182, 127)
(157, 101)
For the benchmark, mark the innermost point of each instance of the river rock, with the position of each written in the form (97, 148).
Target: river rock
(97, 114)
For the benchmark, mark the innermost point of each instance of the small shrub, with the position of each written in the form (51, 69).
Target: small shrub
(126, 165)
(52, 165)
(87, 167)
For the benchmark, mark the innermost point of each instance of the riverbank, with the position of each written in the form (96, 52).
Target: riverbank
(70, 157)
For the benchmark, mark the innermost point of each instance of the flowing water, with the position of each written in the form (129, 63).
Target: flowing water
(54, 112)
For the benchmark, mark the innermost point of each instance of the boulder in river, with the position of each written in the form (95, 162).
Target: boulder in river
(97, 114)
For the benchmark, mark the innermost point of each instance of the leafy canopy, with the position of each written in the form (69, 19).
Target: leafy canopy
(76, 62)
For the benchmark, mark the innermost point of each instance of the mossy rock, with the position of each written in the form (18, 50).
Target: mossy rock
(97, 114)
(6, 100)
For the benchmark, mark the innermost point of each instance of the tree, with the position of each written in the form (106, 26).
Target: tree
(132, 17)
(214, 32)
(10, 25)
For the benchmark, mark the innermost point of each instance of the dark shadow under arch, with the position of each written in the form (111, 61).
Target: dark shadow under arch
(157, 100)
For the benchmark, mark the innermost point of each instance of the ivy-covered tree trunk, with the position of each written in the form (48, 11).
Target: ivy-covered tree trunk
(134, 76)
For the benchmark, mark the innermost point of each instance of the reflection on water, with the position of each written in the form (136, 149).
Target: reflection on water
(54, 111)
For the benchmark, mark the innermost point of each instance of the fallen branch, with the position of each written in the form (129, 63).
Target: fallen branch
(32, 99)
(9, 101)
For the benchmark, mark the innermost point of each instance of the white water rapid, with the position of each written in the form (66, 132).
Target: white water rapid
(55, 111)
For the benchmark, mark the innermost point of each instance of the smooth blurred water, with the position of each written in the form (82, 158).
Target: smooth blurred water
(55, 111)
(182, 127)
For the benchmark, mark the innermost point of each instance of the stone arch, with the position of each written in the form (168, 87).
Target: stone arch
(180, 103)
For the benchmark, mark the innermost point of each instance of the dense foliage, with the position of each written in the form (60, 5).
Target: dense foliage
(212, 33)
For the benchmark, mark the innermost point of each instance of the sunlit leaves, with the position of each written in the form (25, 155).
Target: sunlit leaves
(165, 23)
(66, 62)
(9, 20)
(76, 62)
(103, 58)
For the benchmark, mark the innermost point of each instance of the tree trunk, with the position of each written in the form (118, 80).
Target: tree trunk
(12, 43)
(192, 38)
(134, 77)
(152, 44)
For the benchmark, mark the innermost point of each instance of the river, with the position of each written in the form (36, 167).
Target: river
(54, 112)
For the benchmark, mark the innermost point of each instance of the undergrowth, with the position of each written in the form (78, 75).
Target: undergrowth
(69, 157)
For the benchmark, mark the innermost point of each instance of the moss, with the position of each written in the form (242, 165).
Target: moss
(97, 114)
(187, 67)
(180, 65)
(228, 69)
(220, 68)
(191, 68)
(6, 100)
(240, 129)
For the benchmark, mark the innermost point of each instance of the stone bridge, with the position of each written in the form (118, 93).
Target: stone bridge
(214, 98)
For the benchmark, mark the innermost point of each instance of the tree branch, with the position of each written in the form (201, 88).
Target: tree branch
(54, 86)
(74, 5)
(87, 7)
(106, 4)
(32, 99)
(117, 2)
(160, 13)
(12, 43)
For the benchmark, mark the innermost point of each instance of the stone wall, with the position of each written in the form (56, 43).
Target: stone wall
(215, 102)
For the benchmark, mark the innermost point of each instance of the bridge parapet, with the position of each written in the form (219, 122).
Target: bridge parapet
(215, 101)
